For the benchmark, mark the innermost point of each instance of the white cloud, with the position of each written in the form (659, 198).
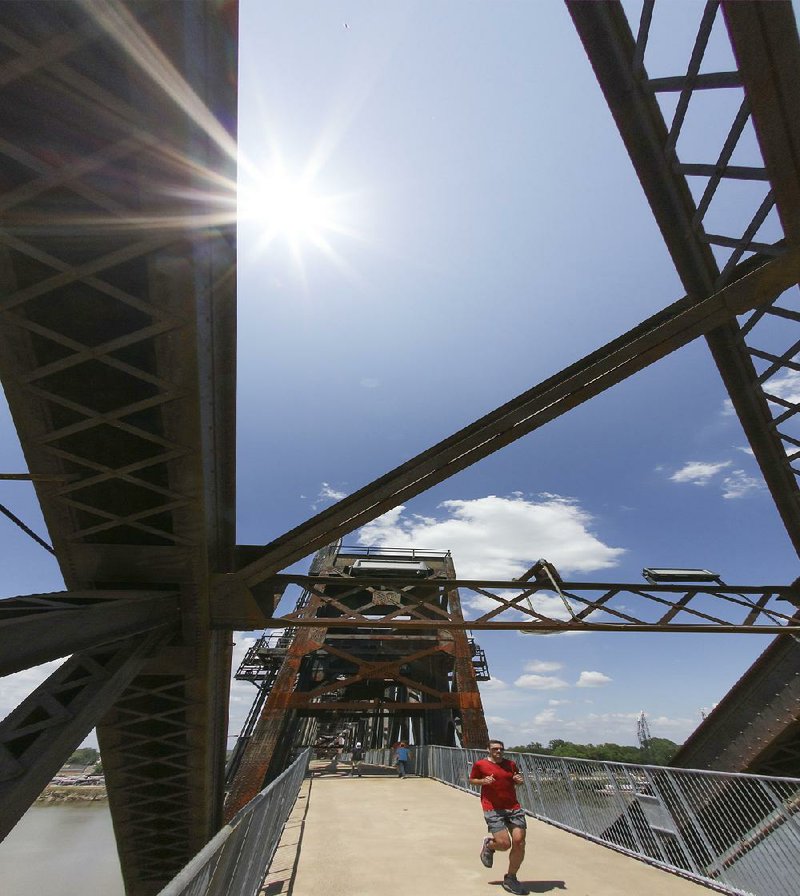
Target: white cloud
(745, 449)
(785, 386)
(497, 720)
(540, 682)
(557, 702)
(501, 538)
(596, 728)
(738, 484)
(493, 684)
(592, 680)
(699, 472)
(613, 727)
(327, 493)
(542, 666)
(369, 382)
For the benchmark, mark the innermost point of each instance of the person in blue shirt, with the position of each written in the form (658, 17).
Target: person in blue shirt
(401, 758)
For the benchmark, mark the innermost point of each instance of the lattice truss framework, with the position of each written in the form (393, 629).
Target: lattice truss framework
(117, 191)
(691, 171)
(770, 335)
(544, 606)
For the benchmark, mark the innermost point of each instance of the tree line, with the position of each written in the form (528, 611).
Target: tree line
(84, 756)
(659, 751)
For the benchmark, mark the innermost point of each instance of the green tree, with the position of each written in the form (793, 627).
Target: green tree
(84, 756)
(660, 751)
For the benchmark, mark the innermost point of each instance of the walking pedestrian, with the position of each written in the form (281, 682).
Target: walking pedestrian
(401, 758)
(498, 778)
(356, 758)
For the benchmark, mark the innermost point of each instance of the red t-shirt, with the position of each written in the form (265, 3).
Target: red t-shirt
(501, 794)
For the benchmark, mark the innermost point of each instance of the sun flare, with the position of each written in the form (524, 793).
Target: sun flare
(280, 205)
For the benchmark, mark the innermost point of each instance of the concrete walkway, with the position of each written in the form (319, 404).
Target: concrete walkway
(380, 836)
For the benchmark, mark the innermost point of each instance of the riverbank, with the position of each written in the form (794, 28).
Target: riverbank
(64, 793)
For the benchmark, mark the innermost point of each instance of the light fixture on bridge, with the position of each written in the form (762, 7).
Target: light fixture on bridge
(663, 575)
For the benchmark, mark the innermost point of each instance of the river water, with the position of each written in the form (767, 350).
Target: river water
(61, 850)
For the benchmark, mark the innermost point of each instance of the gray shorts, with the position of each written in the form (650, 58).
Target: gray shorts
(500, 819)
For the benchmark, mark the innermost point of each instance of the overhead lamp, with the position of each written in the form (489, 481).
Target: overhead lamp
(666, 575)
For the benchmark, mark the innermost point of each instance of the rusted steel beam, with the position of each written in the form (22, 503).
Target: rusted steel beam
(260, 751)
(474, 732)
(586, 606)
(36, 628)
(407, 707)
(551, 626)
(650, 341)
(789, 593)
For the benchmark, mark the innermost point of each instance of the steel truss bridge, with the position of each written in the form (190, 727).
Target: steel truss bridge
(117, 357)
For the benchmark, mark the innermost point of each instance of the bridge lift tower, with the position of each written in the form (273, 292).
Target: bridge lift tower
(417, 685)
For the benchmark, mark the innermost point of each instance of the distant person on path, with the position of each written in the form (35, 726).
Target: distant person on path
(356, 759)
(401, 758)
(498, 778)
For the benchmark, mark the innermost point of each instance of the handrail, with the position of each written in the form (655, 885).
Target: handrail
(235, 861)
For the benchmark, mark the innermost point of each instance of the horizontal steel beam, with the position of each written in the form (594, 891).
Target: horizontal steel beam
(412, 606)
(41, 733)
(789, 593)
(641, 346)
(37, 628)
(540, 628)
(304, 708)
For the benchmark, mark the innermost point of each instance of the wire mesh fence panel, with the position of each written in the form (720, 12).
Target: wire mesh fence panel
(740, 833)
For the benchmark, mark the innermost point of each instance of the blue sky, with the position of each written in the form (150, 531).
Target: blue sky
(478, 227)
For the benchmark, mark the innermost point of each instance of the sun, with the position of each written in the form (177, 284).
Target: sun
(279, 205)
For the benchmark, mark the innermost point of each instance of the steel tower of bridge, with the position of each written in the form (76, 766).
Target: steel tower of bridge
(419, 684)
(117, 357)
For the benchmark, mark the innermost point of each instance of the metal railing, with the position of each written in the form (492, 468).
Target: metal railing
(235, 860)
(381, 551)
(737, 833)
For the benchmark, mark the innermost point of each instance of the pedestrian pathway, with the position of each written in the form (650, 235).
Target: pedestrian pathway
(380, 836)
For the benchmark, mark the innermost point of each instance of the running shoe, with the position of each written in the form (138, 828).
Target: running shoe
(512, 885)
(487, 853)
